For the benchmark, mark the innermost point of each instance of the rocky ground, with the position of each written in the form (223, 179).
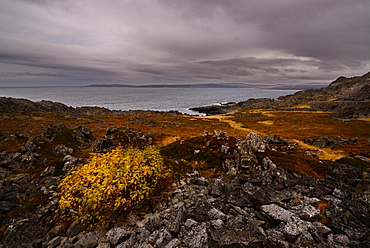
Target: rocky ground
(254, 203)
(227, 191)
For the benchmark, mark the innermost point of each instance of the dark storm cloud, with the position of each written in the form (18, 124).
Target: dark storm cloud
(177, 41)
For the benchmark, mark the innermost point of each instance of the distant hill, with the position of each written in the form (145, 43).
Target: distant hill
(347, 98)
(231, 85)
(224, 85)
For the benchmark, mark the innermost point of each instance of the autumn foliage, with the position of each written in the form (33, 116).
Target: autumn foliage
(115, 181)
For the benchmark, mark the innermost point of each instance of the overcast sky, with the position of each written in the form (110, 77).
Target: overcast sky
(259, 42)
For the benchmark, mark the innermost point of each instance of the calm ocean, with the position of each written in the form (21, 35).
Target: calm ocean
(161, 99)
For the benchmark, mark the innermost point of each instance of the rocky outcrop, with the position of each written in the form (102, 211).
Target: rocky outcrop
(13, 105)
(124, 138)
(347, 98)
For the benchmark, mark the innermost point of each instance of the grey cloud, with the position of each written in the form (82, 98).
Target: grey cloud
(175, 41)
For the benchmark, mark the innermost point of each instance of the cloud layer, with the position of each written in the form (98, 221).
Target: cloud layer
(52, 42)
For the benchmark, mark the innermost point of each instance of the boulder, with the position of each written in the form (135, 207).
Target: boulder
(83, 135)
(62, 150)
(118, 235)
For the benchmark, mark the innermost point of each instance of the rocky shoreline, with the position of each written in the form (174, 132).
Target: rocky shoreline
(346, 98)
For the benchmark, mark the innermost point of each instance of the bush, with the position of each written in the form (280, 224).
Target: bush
(112, 182)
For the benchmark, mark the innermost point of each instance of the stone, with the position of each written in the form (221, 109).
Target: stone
(237, 231)
(29, 146)
(198, 181)
(70, 162)
(104, 245)
(48, 172)
(277, 213)
(75, 228)
(215, 214)
(53, 131)
(321, 228)
(118, 235)
(83, 136)
(325, 142)
(194, 235)
(343, 173)
(6, 206)
(341, 239)
(344, 220)
(54, 242)
(62, 150)
(173, 243)
(311, 154)
(131, 241)
(160, 238)
(267, 164)
(225, 148)
(304, 240)
(230, 167)
(304, 210)
(251, 144)
(87, 240)
(215, 187)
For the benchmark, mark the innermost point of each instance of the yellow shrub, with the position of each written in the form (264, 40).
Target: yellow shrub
(114, 181)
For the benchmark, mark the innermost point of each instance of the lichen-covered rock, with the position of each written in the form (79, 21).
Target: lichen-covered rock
(277, 213)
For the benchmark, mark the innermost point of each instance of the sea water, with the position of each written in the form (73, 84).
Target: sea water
(159, 99)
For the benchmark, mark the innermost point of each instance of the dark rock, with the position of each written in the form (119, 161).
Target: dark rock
(87, 240)
(343, 220)
(344, 174)
(76, 227)
(71, 162)
(198, 181)
(359, 203)
(124, 138)
(303, 209)
(83, 136)
(194, 234)
(236, 232)
(104, 143)
(21, 135)
(53, 131)
(325, 142)
(118, 235)
(311, 154)
(6, 206)
(13, 105)
(62, 150)
(48, 172)
(54, 242)
(277, 213)
(29, 146)
(160, 238)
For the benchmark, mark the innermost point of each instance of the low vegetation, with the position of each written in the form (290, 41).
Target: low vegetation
(112, 182)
